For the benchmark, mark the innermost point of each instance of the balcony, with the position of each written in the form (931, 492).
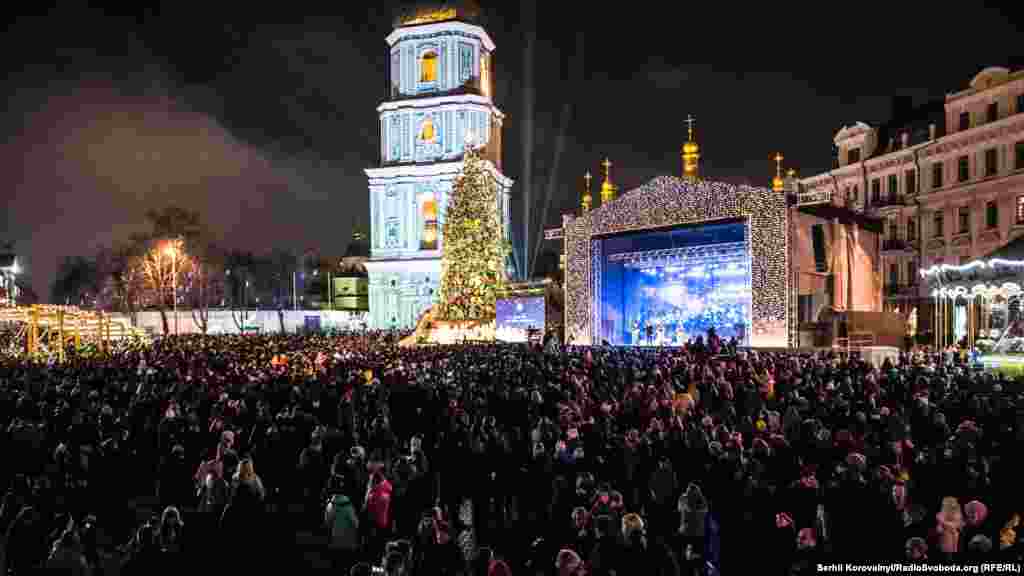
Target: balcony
(898, 245)
(891, 200)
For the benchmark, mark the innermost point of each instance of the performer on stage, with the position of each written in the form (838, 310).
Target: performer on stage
(636, 333)
(661, 332)
(650, 333)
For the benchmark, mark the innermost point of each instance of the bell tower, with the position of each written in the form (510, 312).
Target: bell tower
(440, 96)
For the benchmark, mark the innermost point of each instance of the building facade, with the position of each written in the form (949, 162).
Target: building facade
(351, 283)
(441, 90)
(947, 179)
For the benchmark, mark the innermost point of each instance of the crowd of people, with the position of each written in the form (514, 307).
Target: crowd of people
(346, 452)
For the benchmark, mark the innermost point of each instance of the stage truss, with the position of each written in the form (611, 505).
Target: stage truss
(699, 254)
(669, 201)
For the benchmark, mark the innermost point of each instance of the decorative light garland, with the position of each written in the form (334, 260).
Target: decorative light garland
(472, 264)
(671, 201)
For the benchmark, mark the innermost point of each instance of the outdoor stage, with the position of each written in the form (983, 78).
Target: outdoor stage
(666, 261)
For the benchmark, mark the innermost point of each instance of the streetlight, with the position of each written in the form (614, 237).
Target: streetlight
(172, 251)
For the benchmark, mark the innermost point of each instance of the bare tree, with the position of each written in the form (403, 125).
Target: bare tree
(119, 286)
(204, 285)
(161, 269)
(237, 283)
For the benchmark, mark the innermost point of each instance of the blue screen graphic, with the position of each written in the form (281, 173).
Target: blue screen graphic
(516, 316)
(666, 287)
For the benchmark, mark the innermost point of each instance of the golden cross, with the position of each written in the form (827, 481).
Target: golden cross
(689, 125)
(587, 177)
(607, 166)
(778, 163)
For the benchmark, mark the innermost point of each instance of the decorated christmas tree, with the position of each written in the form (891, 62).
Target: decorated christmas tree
(474, 247)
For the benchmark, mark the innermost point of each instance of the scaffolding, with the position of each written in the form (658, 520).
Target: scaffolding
(51, 329)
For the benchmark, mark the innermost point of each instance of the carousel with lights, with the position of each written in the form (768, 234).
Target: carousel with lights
(977, 306)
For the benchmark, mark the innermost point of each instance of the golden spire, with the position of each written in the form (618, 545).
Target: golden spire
(778, 184)
(588, 200)
(691, 153)
(357, 232)
(607, 188)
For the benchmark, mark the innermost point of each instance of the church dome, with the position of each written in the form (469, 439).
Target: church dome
(690, 148)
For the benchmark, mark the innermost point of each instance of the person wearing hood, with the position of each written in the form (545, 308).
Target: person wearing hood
(342, 523)
(693, 510)
(242, 521)
(603, 557)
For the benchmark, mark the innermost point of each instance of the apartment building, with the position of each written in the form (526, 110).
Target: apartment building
(947, 180)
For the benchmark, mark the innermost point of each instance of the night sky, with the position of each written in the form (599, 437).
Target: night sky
(265, 122)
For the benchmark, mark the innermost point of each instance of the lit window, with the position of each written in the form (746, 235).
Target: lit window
(428, 67)
(485, 75)
(427, 130)
(428, 238)
(1020, 209)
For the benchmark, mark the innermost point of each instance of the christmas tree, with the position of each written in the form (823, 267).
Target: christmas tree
(472, 265)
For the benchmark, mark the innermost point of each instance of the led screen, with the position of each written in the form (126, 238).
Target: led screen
(516, 316)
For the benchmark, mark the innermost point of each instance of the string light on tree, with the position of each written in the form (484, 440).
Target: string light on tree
(472, 266)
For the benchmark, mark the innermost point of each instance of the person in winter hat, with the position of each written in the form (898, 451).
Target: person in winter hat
(916, 549)
(693, 509)
(341, 520)
(567, 562)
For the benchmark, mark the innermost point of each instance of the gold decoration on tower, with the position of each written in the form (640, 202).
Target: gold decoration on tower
(691, 153)
(778, 184)
(427, 15)
(357, 233)
(608, 189)
(588, 199)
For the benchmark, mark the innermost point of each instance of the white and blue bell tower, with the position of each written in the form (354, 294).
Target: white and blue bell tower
(441, 89)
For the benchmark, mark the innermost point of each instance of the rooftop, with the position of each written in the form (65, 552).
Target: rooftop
(417, 13)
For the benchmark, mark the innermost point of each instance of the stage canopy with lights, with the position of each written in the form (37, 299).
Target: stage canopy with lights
(667, 261)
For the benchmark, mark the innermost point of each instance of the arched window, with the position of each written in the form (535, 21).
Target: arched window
(427, 130)
(428, 67)
(428, 237)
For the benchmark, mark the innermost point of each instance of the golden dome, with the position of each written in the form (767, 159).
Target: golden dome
(778, 184)
(691, 153)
